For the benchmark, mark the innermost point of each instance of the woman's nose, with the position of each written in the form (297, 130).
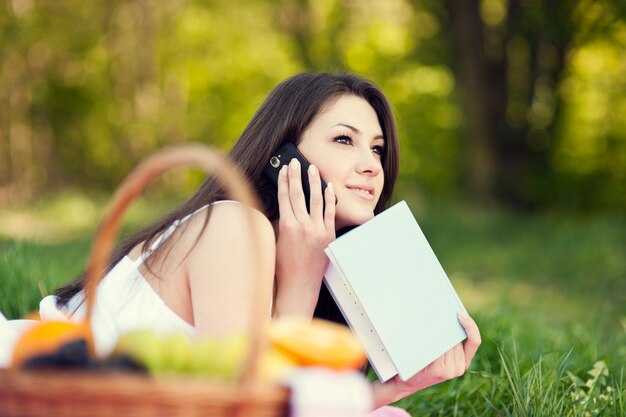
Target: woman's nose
(368, 163)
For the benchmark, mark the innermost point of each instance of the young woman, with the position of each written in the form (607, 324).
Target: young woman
(188, 271)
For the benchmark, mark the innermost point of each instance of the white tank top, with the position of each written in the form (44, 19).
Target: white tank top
(125, 301)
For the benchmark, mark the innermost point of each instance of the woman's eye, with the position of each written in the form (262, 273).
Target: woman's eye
(346, 140)
(378, 150)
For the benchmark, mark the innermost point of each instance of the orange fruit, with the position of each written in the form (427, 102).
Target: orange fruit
(317, 342)
(46, 338)
(276, 363)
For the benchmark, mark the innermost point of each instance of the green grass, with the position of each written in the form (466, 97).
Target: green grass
(29, 270)
(526, 366)
(548, 292)
(45, 245)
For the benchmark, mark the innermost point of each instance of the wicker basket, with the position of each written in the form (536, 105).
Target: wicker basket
(81, 393)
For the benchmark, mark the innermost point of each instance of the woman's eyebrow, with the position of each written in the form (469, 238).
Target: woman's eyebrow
(355, 130)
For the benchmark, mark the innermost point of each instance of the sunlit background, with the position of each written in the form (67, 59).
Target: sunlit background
(521, 103)
(512, 119)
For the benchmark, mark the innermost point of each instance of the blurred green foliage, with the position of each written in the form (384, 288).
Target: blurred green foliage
(87, 89)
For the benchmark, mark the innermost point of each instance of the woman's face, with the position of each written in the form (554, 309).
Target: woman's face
(345, 142)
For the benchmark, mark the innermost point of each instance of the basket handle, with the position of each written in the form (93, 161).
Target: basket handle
(135, 183)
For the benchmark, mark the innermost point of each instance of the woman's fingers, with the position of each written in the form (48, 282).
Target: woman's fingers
(459, 359)
(284, 203)
(316, 201)
(448, 359)
(291, 200)
(454, 362)
(329, 212)
(470, 346)
(296, 195)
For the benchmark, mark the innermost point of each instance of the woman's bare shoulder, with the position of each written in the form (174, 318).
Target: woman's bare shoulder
(232, 220)
(224, 265)
(240, 215)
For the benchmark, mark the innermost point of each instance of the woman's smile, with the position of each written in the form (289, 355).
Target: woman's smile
(363, 191)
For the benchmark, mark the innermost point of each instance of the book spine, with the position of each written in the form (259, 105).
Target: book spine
(359, 322)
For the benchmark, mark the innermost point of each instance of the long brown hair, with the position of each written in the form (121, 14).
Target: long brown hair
(282, 118)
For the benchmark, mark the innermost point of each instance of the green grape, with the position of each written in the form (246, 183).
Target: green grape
(144, 347)
(178, 353)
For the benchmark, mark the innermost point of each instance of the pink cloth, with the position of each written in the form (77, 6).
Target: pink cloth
(389, 411)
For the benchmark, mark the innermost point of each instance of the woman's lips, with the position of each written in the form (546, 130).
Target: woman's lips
(363, 191)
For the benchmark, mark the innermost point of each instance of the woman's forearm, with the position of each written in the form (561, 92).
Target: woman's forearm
(292, 300)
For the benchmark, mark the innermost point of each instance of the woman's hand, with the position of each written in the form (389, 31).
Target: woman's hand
(450, 365)
(302, 237)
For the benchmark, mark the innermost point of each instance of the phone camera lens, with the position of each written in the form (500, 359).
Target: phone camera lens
(275, 162)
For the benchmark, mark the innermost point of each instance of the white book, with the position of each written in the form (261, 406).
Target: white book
(394, 293)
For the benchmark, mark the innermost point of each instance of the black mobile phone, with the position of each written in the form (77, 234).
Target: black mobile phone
(282, 157)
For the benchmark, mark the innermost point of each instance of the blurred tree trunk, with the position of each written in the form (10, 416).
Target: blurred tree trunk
(481, 99)
(315, 42)
(508, 75)
(130, 35)
(5, 161)
(17, 176)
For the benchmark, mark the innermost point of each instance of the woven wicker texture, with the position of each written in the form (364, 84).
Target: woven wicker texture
(125, 395)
